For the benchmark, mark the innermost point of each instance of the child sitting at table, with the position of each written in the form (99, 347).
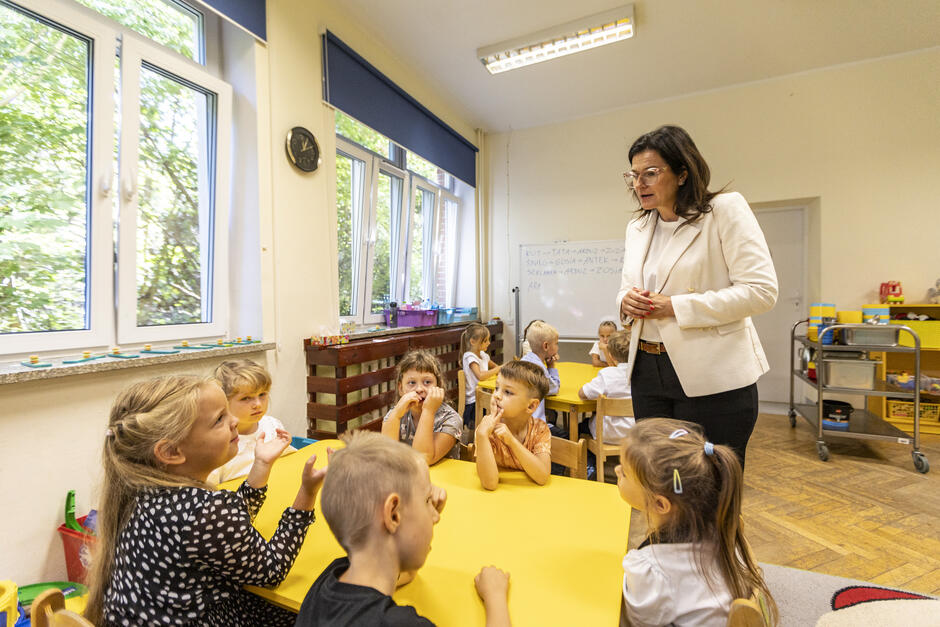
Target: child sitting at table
(476, 366)
(247, 387)
(695, 560)
(421, 418)
(598, 352)
(510, 436)
(526, 347)
(380, 504)
(544, 341)
(611, 382)
(169, 549)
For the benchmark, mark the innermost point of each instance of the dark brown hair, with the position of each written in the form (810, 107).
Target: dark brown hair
(707, 509)
(677, 149)
(529, 375)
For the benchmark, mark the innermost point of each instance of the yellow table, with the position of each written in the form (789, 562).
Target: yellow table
(573, 375)
(562, 543)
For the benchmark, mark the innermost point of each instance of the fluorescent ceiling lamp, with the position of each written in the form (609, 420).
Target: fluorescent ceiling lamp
(583, 34)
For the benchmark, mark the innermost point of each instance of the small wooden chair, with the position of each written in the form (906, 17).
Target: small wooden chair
(572, 455)
(461, 392)
(48, 610)
(749, 612)
(607, 407)
(484, 398)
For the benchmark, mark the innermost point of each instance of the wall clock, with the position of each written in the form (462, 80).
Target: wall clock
(302, 149)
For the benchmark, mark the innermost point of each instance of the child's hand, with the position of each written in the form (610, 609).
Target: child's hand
(406, 402)
(433, 400)
(550, 360)
(311, 479)
(503, 433)
(485, 428)
(492, 583)
(267, 452)
(438, 497)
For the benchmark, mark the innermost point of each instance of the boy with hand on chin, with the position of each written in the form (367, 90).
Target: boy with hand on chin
(510, 436)
(380, 504)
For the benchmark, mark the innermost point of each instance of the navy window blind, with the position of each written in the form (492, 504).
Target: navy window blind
(249, 14)
(357, 88)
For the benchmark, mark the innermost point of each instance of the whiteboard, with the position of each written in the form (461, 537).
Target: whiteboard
(570, 285)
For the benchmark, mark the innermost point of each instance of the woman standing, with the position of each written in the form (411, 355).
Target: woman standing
(696, 268)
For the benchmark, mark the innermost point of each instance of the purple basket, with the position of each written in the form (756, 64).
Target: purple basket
(415, 317)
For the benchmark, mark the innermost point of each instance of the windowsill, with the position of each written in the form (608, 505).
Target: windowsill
(14, 372)
(365, 333)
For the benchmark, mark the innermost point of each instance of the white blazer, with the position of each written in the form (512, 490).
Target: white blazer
(719, 273)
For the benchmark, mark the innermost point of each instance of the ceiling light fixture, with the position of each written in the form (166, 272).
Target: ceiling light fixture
(583, 34)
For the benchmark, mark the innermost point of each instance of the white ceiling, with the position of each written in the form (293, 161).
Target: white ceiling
(680, 47)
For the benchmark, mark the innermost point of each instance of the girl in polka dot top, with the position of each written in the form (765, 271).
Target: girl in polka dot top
(171, 550)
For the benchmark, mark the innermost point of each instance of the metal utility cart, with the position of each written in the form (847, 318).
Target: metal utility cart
(862, 423)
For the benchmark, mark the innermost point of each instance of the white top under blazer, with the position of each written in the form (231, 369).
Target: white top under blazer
(719, 273)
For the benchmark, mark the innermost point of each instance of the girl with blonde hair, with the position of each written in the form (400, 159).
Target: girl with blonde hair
(170, 549)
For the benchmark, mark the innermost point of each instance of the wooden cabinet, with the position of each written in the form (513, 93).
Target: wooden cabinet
(353, 385)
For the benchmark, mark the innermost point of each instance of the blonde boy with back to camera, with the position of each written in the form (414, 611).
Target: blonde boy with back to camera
(543, 338)
(510, 436)
(380, 504)
(611, 382)
(247, 386)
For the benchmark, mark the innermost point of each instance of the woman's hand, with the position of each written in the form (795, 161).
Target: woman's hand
(643, 304)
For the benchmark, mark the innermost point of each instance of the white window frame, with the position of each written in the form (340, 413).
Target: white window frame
(135, 51)
(429, 234)
(448, 248)
(99, 244)
(360, 237)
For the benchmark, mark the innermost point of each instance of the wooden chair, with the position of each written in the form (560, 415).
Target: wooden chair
(484, 398)
(749, 612)
(572, 455)
(607, 407)
(461, 392)
(48, 610)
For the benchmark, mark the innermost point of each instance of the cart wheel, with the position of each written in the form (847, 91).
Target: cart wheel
(920, 462)
(823, 451)
(792, 415)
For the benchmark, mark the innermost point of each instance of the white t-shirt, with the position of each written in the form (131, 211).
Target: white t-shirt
(239, 465)
(662, 585)
(483, 361)
(596, 350)
(661, 235)
(611, 382)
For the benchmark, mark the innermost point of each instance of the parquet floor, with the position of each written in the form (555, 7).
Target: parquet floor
(864, 514)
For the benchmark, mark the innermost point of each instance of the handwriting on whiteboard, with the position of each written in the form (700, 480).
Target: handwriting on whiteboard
(565, 261)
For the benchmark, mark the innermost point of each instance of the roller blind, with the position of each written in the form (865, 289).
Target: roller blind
(249, 14)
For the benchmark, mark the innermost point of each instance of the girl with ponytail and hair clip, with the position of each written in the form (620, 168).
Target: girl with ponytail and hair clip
(171, 549)
(695, 560)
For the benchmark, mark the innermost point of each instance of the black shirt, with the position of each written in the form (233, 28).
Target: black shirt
(330, 602)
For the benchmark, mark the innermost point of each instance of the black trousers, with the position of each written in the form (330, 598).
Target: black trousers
(727, 417)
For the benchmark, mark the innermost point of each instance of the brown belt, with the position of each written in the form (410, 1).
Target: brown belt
(653, 348)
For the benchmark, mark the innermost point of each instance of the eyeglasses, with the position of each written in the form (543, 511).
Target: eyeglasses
(649, 176)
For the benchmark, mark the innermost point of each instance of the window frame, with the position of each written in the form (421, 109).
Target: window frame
(99, 314)
(429, 236)
(135, 51)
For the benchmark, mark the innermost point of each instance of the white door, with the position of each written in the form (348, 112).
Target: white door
(784, 231)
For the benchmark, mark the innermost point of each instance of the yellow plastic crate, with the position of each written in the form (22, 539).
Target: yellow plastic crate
(928, 330)
(904, 410)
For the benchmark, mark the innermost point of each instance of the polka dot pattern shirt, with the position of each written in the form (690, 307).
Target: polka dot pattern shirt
(184, 554)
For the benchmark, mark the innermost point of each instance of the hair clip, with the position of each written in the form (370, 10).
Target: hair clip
(678, 433)
(109, 432)
(676, 481)
(709, 448)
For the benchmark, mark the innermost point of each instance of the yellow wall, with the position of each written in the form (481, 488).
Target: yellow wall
(51, 432)
(863, 139)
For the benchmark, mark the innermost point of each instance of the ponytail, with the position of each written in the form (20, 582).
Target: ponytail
(143, 414)
(473, 331)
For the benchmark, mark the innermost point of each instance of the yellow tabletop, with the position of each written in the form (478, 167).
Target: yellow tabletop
(562, 544)
(573, 375)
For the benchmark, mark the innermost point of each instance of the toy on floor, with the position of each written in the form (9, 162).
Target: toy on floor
(891, 293)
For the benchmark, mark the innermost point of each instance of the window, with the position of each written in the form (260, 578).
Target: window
(397, 237)
(65, 105)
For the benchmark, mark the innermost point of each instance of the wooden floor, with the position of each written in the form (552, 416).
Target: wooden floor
(865, 514)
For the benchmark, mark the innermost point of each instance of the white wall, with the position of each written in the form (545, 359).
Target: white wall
(51, 431)
(861, 141)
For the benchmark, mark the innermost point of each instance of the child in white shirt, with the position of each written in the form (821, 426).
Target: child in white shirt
(247, 387)
(598, 352)
(611, 382)
(695, 561)
(476, 366)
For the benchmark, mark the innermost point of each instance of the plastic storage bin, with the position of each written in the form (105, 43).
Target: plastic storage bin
(905, 410)
(465, 314)
(878, 335)
(78, 547)
(445, 315)
(415, 317)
